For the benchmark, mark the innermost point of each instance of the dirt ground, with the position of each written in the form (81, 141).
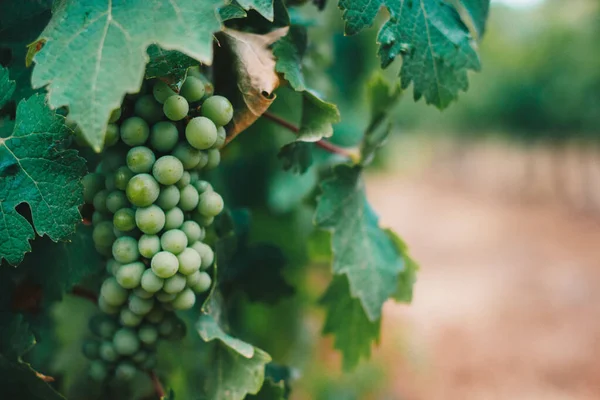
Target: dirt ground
(507, 304)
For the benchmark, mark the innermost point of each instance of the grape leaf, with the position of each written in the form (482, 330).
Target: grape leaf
(231, 11)
(361, 249)
(169, 65)
(238, 368)
(7, 87)
(289, 51)
(408, 277)
(296, 156)
(263, 7)
(318, 117)
(270, 391)
(478, 11)
(36, 169)
(109, 42)
(434, 43)
(346, 320)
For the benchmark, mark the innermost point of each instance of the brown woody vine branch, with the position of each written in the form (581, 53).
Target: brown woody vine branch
(158, 387)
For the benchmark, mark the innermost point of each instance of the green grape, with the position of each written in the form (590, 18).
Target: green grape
(98, 217)
(202, 220)
(125, 250)
(125, 371)
(129, 319)
(107, 308)
(203, 186)
(174, 284)
(162, 91)
(221, 136)
(214, 159)
(195, 71)
(124, 219)
(147, 108)
(218, 109)
(107, 352)
(139, 357)
(98, 371)
(150, 220)
(188, 198)
(140, 306)
(91, 349)
(156, 315)
(134, 131)
(100, 201)
(174, 241)
(202, 162)
(189, 261)
(164, 136)
(126, 342)
(185, 180)
(202, 283)
(192, 230)
(174, 218)
(164, 297)
(115, 115)
(201, 133)
(103, 234)
(113, 158)
(122, 177)
(168, 197)
(192, 89)
(164, 264)
(92, 184)
(102, 326)
(112, 266)
(141, 293)
(211, 204)
(176, 108)
(150, 282)
(148, 334)
(109, 182)
(184, 300)
(166, 327)
(142, 190)
(140, 159)
(116, 200)
(130, 275)
(167, 170)
(189, 156)
(206, 254)
(111, 136)
(149, 245)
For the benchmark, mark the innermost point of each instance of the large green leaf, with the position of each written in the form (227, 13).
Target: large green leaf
(263, 7)
(7, 87)
(95, 52)
(36, 169)
(238, 368)
(169, 65)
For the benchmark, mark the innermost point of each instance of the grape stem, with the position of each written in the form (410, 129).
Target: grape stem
(84, 294)
(158, 387)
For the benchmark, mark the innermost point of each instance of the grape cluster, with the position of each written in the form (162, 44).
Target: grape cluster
(151, 211)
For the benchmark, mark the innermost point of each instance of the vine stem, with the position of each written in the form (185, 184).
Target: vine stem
(158, 387)
(84, 294)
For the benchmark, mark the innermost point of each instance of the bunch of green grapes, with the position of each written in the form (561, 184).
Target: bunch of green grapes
(151, 212)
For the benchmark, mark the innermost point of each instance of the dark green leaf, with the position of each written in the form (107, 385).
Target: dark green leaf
(16, 338)
(169, 65)
(289, 51)
(263, 7)
(270, 391)
(296, 156)
(7, 87)
(287, 190)
(231, 11)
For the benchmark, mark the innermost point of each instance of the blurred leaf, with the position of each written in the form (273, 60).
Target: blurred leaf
(270, 391)
(288, 190)
(477, 11)
(296, 156)
(408, 277)
(7, 87)
(169, 65)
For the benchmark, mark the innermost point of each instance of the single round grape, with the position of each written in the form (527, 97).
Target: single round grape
(168, 197)
(103, 326)
(218, 109)
(126, 342)
(202, 162)
(164, 136)
(202, 220)
(201, 133)
(100, 201)
(139, 357)
(107, 352)
(141, 293)
(98, 217)
(130, 275)
(221, 137)
(184, 300)
(134, 131)
(192, 230)
(149, 245)
(129, 319)
(90, 348)
(125, 371)
(140, 306)
(92, 184)
(107, 308)
(164, 264)
(109, 182)
(148, 108)
(125, 250)
(206, 254)
(115, 115)
(164, 297)
(148, 334)
(165, 328)
(189, 156)
(156, 315)
(112, 266)
(167, 170)
(214, 159)
(124, 219)
(173, 241)
(140, 159)
(162, 91)
(142, 190)
(111, 136)
(174, 284)
(189, 261)
(211, 204)
(185, 180)
(174, 218)
(195, 71)
(202, 283)
(122, 177)
(150, 219)
(192, 89)
(103, 234)
(98, 371)
(150, 282)
(189, 198)
(113, 293)
(203, 186)
(116, 200)
(176, 108)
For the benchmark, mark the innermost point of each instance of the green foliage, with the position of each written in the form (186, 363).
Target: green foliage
(169, 65)
(7, 87)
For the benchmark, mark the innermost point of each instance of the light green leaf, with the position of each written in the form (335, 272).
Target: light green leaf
(318, 117)
(408, 277)
(95, 52)
(263, 7)
(7, 87)
(36, 169)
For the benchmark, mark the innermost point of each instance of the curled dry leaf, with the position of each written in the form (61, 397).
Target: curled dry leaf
(246, 58)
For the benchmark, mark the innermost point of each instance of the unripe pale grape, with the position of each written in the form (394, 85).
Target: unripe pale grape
(126, 342)
(130, 275)
(92, 184)
(103, 234)
(115, 115)
(189, 156)
(125, 371)
(91, 349)
(103, 326)
(142, 190)
(176, 108)
(164, 264)
(218, 109)
(150, 282)
(149, 245)
(184, 300)
(111, 136)
(129, 319)
(125, 250)
(214, 159)
(206, 254)
(201, 133)
(192, 230)
(164, 297)
(150, 219)
(221, 136)
(140, 159)
(148, 334)
(162, 91)
(148, 108)
(202, 162)
(168, 198)
(185, 180)
(100, 201)
(189, 261)
(141, 293)
(134, 131)
(202, 284)
(116, 200)
(189, 198)
(202, 220)
(156, 315)
(167, 170)
(140, 306)
(164, 136)
(203, 186)
(107, 308)
(113, 293)
(112, 266)
(98, 371)
(107, 352)
(174, 284)
(124, 219)
(122, 177)
(211, 204)
(192, 89)
(174, 218)
(173, 241)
